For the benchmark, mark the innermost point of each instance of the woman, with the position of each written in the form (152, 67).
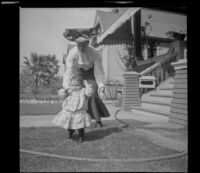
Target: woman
(86, 61)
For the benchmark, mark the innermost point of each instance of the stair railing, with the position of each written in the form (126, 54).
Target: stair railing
(162, 69)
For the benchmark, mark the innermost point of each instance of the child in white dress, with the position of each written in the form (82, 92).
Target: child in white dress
(74, 114)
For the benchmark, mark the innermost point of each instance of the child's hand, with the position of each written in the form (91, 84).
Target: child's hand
(85, 82)
(61, 92)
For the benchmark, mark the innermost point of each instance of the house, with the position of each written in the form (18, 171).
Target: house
(135, 26)
(110, 54)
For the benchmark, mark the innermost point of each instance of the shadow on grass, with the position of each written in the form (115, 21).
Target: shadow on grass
(110, 127)
(101, 133)
(131, 123)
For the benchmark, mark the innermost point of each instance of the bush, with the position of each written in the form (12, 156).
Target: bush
(27, 90)
(26, 96)
(42, 91)
(40, 96)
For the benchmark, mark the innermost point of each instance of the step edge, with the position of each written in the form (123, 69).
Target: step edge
(165, 88)
(156, 102)
(151, 111)
(162, 95)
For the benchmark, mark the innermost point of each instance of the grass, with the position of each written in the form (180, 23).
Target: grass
(40, 108)
(34, 163)
(107, 142)
(179, 134)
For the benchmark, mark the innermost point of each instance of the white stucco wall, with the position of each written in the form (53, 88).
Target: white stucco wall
(111, 61)
(115, 69)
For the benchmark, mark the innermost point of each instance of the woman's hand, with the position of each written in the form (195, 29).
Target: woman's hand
(101, 90)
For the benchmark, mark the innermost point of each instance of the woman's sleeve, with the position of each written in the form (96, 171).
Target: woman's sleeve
(67, 77)
(70, 70)
(98, 68)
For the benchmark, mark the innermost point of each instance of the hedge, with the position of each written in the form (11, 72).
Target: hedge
(40, 96)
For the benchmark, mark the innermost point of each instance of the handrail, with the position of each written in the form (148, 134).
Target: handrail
(161, 68)
(149, 69)
(161, 59)
(162, 65)
(173, 50)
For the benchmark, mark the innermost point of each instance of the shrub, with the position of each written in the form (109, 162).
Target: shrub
(26, 96)
(39, 96)
(27, 90)
(42, 91)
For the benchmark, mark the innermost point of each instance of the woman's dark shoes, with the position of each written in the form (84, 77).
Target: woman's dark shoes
(98, 123)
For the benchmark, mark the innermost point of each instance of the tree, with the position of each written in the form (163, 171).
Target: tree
(26, 78)
(42, 67)
(129, 59)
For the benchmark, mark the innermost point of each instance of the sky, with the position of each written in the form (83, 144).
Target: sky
(41, 29)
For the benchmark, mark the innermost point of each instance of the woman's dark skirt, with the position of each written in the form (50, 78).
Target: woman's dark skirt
(96, 107)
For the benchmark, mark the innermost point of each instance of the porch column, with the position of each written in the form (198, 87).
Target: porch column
(136, 31)
(179, 107)
(130, 92)
(180, 46)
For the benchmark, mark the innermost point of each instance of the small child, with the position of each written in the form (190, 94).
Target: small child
(74, 114)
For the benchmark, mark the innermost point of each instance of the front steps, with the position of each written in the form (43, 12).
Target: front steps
(157, 101)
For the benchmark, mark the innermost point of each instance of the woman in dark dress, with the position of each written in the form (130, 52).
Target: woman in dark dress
(86, 61)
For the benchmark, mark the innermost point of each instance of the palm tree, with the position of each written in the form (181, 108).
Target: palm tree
(33, 67)
(42, 67)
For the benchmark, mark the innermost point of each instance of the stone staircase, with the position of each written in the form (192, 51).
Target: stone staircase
(157, 101)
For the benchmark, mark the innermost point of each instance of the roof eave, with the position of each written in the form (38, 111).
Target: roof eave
(118, 23)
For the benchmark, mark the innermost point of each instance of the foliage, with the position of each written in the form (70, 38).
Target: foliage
(26, 78)
(146, 41)
(43, 68)
(39, 96)
(129, 59)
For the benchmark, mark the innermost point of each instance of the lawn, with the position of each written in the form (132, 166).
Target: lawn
(40, 108)
(34, 163)
(179, 134)
(108, 142)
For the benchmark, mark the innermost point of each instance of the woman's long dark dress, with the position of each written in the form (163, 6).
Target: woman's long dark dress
(96, 108)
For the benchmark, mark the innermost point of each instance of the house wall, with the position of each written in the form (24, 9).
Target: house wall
(115, 66)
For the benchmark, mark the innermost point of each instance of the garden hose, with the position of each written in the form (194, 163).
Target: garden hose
(104, 160)
(122, 123)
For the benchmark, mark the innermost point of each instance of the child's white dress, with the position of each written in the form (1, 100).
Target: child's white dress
(74, 111)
